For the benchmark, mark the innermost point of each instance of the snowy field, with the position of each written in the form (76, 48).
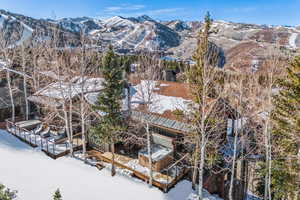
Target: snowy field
(36, 177)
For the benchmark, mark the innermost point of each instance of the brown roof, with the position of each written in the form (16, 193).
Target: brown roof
(168, 88)
(174, 89)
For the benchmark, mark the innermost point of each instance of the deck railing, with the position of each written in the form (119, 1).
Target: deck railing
(176, 171)
(51, 147)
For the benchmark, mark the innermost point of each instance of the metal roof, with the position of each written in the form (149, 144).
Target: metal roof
(160, 121)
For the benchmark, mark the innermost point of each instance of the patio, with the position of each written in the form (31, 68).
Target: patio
(165, 179)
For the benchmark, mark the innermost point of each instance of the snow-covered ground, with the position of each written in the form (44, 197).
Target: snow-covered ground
(37, 176)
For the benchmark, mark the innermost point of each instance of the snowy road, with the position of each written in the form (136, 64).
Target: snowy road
(37, 176)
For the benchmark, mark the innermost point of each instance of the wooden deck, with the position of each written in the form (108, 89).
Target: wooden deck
(52, 149)
(161, 181)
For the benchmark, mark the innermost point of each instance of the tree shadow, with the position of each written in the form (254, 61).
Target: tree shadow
(181, 191)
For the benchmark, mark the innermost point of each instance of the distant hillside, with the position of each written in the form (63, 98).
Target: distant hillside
(243, 44)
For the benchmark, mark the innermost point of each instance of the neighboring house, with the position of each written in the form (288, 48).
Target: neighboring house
(55, 94)
(165, 105)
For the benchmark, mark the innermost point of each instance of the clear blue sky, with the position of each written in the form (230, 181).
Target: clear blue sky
(277, 12)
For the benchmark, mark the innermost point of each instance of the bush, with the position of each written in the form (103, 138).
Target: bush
(6, 193)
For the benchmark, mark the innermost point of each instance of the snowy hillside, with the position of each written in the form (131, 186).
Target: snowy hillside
(78, 24)
(37, 176)
(9, 25)
(137, 33)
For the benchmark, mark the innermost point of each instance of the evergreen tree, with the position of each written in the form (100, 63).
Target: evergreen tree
(285, 180)
(57, 195)
(6, 194)
(109, 103)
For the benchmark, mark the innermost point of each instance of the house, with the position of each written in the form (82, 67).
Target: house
(163, 105)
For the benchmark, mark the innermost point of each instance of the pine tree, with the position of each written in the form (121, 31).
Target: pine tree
(285, 180)
(57, 195)
(109, 103)
(7, 194)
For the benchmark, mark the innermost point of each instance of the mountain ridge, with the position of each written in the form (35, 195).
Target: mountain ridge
(176, 38)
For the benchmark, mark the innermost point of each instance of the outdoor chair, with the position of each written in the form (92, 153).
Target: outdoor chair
(45, 133)
(60, 137)
(38, 129)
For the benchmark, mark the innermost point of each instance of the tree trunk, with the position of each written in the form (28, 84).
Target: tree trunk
(233, 166)
(201, 170)
(83, 135)
(67, 128)
(270, 168)
(113, 170)
(25, 84)
(195, 173)
(267, 176)
(71, 126)
(149, 155)
(13, 117)
(25, 96)
(195, 168)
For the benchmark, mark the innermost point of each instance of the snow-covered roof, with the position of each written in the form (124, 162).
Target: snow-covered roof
(53, 75)
(160, 97)
(64, 90)
(3, 67)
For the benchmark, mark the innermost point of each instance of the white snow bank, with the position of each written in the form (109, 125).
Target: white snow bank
(37, 176)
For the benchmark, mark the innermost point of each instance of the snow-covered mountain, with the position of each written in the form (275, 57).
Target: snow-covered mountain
(142, 33)
(17, 29)
(78, 24)
(14, 30)
(176, 38)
